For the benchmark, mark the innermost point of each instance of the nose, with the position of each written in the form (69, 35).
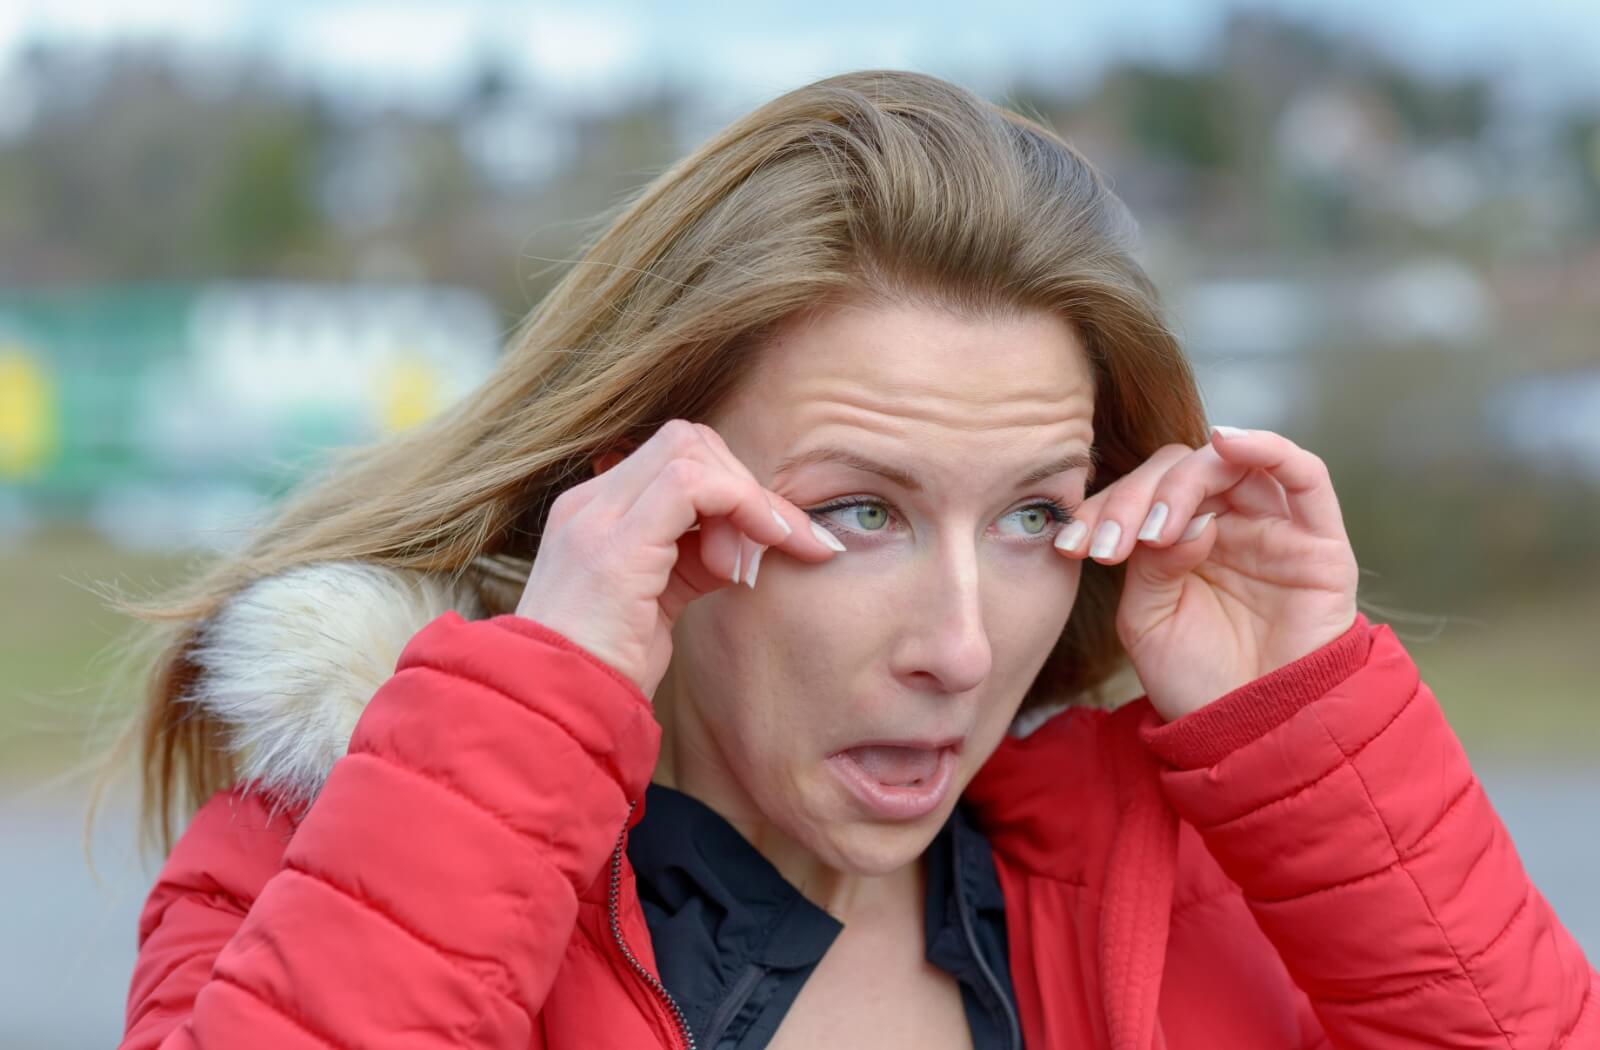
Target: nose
(945, 644)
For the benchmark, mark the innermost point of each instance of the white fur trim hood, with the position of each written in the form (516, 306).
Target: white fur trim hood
(289, 663)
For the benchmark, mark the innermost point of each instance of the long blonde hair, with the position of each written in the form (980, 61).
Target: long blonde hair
(887, 185)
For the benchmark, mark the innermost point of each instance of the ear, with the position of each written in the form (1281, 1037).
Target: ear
(604, 461)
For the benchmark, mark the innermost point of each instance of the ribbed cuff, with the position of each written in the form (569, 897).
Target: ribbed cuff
(1202, 738)
(531, 628)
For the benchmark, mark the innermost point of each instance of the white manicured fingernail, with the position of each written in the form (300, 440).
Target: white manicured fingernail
(737, 558)
(1105, 539)
(1151, 529)
(1196, 527)
(1230, 432)
(787, 528)
(1072, 536)
(825, 537)
(755, 566)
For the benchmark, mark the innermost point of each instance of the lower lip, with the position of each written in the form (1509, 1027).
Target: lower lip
(895, 802)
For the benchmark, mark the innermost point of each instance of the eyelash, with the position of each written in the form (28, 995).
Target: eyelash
(1059, 512)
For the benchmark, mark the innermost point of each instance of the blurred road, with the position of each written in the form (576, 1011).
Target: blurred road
(69, 943)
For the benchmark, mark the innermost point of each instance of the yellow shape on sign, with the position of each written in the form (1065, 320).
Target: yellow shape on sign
(409, 393)
(27, 414)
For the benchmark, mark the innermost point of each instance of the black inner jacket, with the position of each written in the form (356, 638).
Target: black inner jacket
(734, 941)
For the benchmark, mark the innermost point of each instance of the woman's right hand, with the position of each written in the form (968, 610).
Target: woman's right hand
(620, 557)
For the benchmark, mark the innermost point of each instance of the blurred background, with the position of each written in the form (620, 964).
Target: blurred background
(237, 234)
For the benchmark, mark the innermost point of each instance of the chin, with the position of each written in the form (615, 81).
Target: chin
(869, 848)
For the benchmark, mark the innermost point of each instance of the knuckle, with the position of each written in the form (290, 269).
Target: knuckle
(682, 473)
(709, 434)
(679, 433)
(566, 503)
(605, 547)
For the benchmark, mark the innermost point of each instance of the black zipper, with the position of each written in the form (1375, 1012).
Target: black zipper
(737, 997)
(972, 944)
(613, 910)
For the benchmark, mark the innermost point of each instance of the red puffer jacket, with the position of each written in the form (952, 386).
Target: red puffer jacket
(1307, 862)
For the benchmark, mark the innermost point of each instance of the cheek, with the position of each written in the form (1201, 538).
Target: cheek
(1027, 607)
(1025, 616)
(770, 666)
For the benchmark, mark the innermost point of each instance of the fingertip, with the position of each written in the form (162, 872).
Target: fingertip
(1070, 540)
(788, 529)
(826, 538)
(1196, 527)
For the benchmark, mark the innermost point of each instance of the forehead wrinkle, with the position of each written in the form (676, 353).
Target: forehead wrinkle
(840, 427)
(1062, 464)
(998, 414)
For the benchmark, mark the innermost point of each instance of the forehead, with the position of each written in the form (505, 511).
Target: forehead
(916, 378)
(905, 350)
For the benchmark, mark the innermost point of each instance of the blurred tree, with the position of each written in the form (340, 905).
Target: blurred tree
(1183, 117)
(265, 197)
(1579, 137)
(1436, 111)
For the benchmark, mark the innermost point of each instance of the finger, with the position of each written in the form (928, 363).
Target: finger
(1307, 486)
(679, 439)
(1156, 574)
(695, 488)
(1108, 518)
(625, 481)
(688, 494)
(786, 511)
(748, 557)
(722, 544)
(1156, 504)
(1200, 483)
(747, 552)
(691, 568)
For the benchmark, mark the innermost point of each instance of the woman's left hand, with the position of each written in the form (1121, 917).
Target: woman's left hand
(1269, 579)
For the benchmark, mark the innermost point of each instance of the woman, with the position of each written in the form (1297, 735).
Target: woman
(722, 673)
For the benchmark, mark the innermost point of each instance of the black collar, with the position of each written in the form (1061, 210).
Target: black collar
(734, 941)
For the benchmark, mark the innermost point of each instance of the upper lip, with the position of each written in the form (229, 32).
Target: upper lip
(924, 743)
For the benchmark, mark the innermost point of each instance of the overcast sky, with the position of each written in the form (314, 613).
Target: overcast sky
(1538, 49)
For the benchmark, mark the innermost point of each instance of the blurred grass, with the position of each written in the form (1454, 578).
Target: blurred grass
(56, 644)
(1518, 680)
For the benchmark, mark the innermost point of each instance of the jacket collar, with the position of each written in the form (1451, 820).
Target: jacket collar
(734, 940)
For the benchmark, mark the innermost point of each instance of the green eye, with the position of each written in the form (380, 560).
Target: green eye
(1035, 520)
(854, 515)
(870, 516)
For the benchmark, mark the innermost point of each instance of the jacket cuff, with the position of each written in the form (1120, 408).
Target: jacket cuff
(531, 628)
(1203, 737)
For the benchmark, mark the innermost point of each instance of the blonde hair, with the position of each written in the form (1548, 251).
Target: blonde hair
(883, 185)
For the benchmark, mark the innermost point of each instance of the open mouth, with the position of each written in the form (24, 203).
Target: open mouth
(897, 781)
(895, 765)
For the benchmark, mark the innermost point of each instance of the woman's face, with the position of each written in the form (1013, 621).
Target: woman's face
(844, 706)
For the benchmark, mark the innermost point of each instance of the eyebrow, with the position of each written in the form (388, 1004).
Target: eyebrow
(903, 478)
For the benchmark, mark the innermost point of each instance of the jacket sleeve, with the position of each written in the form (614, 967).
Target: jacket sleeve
(426, 898)
(1336, 795)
